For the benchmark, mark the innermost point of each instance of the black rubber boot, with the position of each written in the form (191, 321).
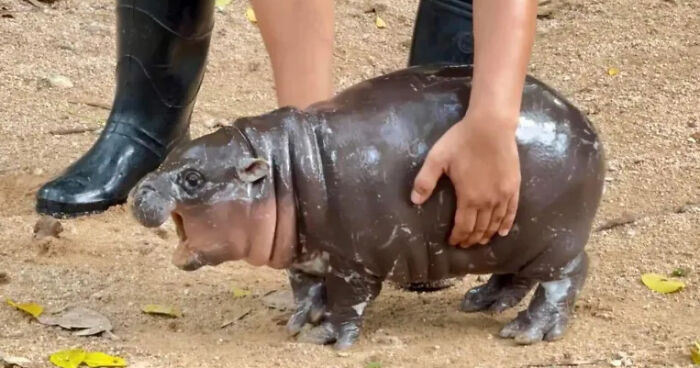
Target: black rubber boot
(443, 33)
(162, 50)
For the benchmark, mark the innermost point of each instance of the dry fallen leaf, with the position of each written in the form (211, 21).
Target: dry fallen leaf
(163, 310)
(612, 71)
(68, 358)
(87, 321)
(279, 299)
(30, 308)
(98, 359)
(239, 293)
(221, 4)
(73, 359)
(695, 353)
(10, 361)
(679, 272)
(379, 22)
(661, 283)
(250, 14)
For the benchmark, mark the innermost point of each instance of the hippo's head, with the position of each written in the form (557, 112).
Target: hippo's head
(215, 190)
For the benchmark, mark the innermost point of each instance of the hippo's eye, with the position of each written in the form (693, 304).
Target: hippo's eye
(192, 179)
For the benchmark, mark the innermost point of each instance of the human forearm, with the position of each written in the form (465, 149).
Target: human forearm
(504, 32)
(298, 36)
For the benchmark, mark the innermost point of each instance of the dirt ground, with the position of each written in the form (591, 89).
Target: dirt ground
(646, 115)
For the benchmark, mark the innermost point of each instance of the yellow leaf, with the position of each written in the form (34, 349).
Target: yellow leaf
(695, 353)
(31, 308)
(661, 283)
(98, 359)
(612, 71)
(379, 22)
(165, 310)
(239, 293)
(250, 14)
(222, 3)
(68, 358)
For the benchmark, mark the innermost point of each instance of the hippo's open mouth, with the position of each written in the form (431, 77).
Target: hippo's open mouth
(183, 257)
(179, 227)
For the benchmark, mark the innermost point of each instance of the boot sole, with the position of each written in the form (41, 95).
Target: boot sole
(63, 210)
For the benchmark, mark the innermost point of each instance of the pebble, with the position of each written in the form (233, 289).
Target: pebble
(695, 137)
(213, 123)
(47, 226)
(4, 278)
(59, 81)
(38, 171)
(387, 340)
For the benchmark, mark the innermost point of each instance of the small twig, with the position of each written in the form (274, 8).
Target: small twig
(35, 3)
(32, 191)
(237, 318)
(73, 131)
(629, 218)
(625, 219)
(569, 364)
(97, 104)
(6, 170)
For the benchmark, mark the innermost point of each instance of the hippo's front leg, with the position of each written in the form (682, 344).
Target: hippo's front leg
(348, 293)
(310, 298)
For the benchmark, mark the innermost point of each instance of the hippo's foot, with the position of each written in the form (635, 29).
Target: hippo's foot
(310, 298)
(547, 316)
(498, 294)
(344, 335)
(348, 293)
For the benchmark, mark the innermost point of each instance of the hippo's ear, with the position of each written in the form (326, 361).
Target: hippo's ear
(252, 169)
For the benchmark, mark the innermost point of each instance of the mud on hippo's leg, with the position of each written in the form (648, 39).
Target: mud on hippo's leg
(547, 316)
(310, 299)
(498, 294)
(348, 294)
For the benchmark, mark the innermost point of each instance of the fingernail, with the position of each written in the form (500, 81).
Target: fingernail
(483, 241)
(503, 232)
(415, 197)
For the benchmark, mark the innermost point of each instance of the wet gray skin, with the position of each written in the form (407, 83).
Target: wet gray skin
(325, 193)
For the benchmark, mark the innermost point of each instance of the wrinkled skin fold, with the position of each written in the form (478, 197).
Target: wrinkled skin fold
(324, 194)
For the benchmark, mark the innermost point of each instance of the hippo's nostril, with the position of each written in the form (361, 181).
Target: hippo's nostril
(194, 263)
(150, 208)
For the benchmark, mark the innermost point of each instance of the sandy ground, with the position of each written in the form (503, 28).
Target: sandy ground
(646, 115)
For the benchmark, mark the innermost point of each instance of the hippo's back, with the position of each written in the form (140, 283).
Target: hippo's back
(373, 139)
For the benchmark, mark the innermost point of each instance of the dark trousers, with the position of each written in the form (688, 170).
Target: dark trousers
(443, 33)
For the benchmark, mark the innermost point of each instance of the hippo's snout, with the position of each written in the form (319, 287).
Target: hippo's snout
(151, 207)
(191, 264)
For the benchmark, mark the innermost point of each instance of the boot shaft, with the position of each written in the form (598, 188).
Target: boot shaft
(162, 48)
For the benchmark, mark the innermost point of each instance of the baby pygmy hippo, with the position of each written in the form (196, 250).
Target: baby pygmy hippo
(324, 193)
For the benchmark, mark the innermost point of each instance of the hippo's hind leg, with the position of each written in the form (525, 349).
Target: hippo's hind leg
(310, 298)
(348, 293)
(548, 314)
(498, 294)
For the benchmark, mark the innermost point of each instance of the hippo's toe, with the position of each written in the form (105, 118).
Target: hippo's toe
(310, 309)
(498, 294)
(527, 329)
(343, 335)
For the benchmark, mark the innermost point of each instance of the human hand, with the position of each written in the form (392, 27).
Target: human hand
(480, 156)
